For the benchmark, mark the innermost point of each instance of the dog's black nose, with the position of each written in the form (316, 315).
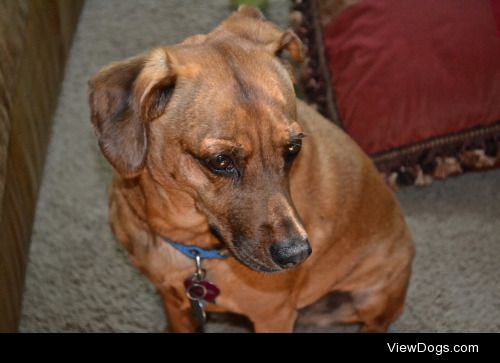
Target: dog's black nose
(289, 253)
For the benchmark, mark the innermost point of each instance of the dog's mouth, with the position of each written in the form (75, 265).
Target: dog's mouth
(253, 263)
(246, 258)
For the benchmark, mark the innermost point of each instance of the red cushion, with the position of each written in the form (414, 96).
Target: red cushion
(407, 71)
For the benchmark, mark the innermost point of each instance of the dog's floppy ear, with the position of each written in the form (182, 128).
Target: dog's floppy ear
(248, 22)
(251, 11)
(290, 42)
(123, 98)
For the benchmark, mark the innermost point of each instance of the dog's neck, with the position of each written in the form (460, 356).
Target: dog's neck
(167, 211)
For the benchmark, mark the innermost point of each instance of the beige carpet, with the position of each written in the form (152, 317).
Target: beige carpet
(79, 279)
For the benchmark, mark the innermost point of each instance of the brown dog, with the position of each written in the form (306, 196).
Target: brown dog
(205, 138)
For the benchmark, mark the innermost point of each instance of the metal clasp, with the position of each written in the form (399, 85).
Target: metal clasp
(200, 272)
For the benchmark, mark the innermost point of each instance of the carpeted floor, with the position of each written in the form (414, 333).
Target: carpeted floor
(79, 279)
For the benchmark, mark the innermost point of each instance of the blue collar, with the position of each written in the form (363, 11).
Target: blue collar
(191, 251)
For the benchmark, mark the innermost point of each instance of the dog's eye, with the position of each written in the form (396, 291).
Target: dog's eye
(291, 151)
(294, 147)
(221, 164)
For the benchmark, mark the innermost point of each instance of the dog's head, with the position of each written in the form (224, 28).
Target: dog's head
(215, 116)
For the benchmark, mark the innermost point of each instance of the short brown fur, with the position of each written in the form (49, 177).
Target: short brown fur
(160, 116)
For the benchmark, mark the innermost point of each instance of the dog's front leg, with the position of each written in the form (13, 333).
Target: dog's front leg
(178, 311)
(281, 321)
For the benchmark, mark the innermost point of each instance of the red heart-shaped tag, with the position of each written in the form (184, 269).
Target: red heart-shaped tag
(201, 290)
